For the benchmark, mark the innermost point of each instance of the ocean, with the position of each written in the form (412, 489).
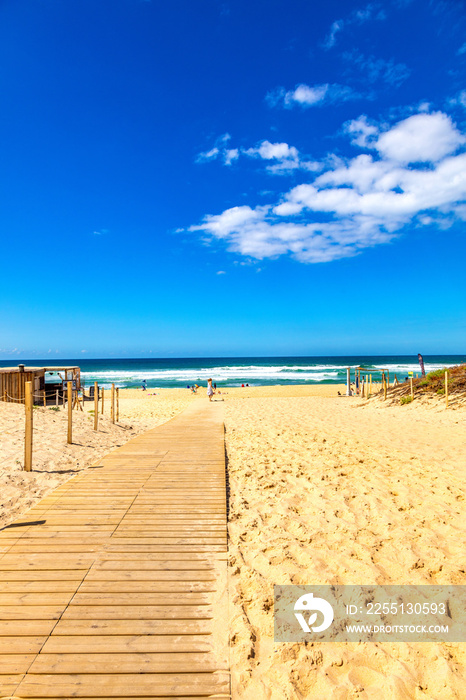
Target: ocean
(235, 371)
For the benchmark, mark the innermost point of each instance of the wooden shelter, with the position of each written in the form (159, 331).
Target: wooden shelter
(13, 380)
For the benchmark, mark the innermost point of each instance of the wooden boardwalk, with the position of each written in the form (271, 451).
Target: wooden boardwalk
(114, 585)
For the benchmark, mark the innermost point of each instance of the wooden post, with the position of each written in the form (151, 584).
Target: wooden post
(388, 379)
(70, 412)
(28, 431)
(348, 381)
(411, 386)
(362, 390)
(4, 395)
(446, 389)
(45, 398)
(112, 404)
(117, 404)
(56, 397)
(96, 406)
(102, 411)
(384, 384)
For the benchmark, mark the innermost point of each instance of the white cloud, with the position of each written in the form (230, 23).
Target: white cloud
(208, 155)
(280, 151)
(372, 11)
(420, 138)
(356, 203)
(331, 38)
(230, 155)
(459, 100)
(462, 49)
(280, 157)
(375, 69)
(362, 132)
(310, 96)
(214, 153)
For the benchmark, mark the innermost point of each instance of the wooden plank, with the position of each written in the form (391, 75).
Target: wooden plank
(56, 548)
(88, 529)
(9, 683)
(15, 663)
(123, 685)
(169, 586)
(144, 564)
(154, 575)
(140, 662)
(14, 562)
(44, 598)
(22, 645)
(38, 586)
(30, 612)
(143, 530)
(42, 575)
(145, 697)
(146, 643)
(137, 545)
(140, 598)
(136, 612)
(164, 549)
(26, 628)
(90, 627)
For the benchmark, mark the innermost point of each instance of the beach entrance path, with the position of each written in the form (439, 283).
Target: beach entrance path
(114, 585)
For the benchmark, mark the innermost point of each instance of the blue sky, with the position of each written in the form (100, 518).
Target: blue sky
(231, 178)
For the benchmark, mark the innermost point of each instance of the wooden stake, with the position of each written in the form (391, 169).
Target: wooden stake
(70, 413)
(112, 404)
(28, 426)
(56, 397)
(384, 384)
(45, 398)
(446, 389)
(362, 390)
(117, 404)
(102, 411)
(388, 379)
(96, 406)
(411, 385)
(4, 395)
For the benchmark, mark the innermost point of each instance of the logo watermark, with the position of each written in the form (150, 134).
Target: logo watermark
(370, 613)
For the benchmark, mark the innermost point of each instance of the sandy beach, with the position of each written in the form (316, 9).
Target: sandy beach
(323, 489)
(330, 490)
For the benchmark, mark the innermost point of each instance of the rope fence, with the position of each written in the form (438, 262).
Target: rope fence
(73, 400)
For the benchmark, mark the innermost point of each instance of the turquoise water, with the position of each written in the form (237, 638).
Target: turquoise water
(179, 372)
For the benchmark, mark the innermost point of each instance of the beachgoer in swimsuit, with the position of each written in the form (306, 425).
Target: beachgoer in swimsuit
(210, 390)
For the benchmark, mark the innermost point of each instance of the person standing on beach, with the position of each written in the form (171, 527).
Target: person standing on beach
(210, 391)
